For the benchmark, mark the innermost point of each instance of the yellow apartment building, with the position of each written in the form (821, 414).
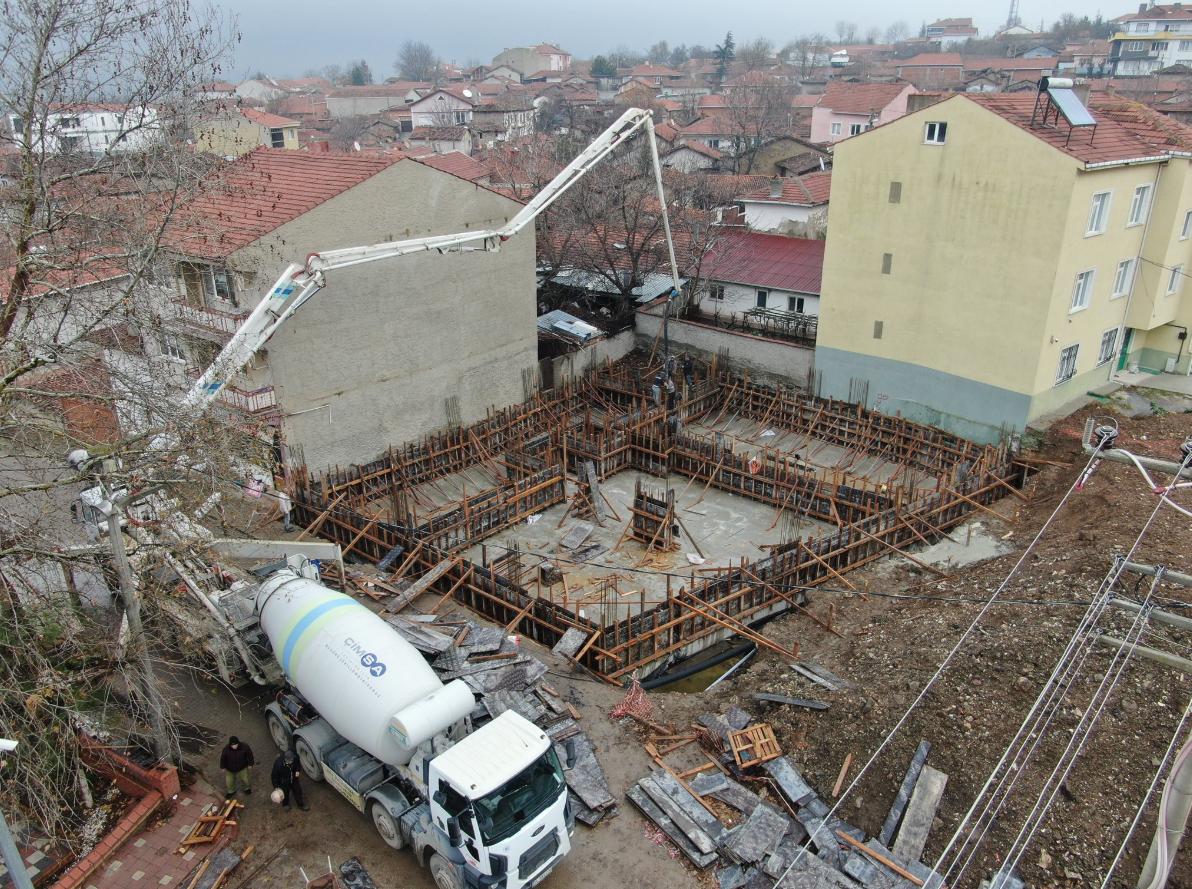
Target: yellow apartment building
(989, 260)
(236, 131)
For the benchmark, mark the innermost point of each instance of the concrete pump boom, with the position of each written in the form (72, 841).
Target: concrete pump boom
(298, 283)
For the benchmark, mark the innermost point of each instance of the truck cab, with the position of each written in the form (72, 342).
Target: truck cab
(500, 798)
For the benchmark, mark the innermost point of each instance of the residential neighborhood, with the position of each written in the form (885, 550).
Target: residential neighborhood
(760, 462)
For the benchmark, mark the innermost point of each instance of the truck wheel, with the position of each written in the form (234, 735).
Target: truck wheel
(387, 826)
(280, 732)
(443, 873)
(311, 767)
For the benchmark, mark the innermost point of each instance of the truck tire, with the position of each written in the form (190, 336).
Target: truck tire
(443, 873)
(387, 826)
(280, 732)
(311, 767)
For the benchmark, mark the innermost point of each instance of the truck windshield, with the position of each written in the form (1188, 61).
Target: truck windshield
(506, 809)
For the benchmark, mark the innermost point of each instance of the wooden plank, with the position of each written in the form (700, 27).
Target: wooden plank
(313, 527)
(420, 586)
(794, 702)
(678, 817)
(642, 801)
(848, 761)
(881, 859)
(904, 794)
(916, 824)
(807, 674)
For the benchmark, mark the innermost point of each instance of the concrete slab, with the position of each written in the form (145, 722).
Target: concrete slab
(613, 584)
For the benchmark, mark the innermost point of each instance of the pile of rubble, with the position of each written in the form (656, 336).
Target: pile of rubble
(772, 829)
(505, 677)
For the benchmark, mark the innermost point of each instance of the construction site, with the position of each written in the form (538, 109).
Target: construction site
(646, 534)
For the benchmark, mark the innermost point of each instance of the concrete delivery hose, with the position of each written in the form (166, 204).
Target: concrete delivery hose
(1174, 806)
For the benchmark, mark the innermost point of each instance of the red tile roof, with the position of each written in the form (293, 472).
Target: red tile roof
(807, 190)
(265, 119)
(805, 100)
(931, 60)
(665, 132)
(860, 98)
(708, 126)
(457, 164)
(700, 148)
(771, 261)
(377, 90)
(261, 192)
(451, 134)
(648, 70)
(1158, 12)
(1112, 140)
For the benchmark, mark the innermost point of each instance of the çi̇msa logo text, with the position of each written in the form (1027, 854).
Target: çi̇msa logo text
(368, 660)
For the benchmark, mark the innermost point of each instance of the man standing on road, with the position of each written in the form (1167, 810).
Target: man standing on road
(237, 762)
(286, 772)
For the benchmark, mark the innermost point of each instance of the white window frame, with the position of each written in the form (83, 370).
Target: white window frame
(1123, 279)
(763, 297)
(1185, 46)
(1069, 355)
(1140, 206)
(171, 347)
(795, 304)
(836, 129)
(716, 292)
(1142, 27)
(1175, 279)
(856, 129)
(935, 132)
(1099, 213)
(1186, 231)
(1136, 46)
(1082, 290)
(1108, 338)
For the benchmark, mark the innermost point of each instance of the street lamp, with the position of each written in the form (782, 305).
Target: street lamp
(8, 847)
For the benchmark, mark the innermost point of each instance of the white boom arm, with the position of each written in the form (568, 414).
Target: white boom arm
(298, 283)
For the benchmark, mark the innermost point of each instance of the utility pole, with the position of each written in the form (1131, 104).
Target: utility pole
(136, 630)
(8, 847)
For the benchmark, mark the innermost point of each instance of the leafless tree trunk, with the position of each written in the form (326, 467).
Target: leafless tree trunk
(90, 351)
(416, 61)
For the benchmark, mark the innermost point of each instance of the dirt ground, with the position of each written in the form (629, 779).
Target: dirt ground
(889, 648)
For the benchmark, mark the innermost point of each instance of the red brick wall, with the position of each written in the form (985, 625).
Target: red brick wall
(154, 787)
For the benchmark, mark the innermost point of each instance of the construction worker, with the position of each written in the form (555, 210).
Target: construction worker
(657, 388)
(670, 394)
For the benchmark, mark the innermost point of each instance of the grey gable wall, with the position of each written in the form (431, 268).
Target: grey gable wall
(370, 360)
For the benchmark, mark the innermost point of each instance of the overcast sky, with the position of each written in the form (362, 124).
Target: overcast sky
(287, 37)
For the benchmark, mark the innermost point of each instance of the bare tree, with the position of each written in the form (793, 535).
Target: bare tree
(347, 131)
(659, 53)
(873, 35)
(101, 95)
(760, 108)
(416, 61)
(846, 32)
(754, 54)
(897, 32)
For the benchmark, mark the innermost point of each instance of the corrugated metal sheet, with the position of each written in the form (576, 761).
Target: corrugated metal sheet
(767, 261)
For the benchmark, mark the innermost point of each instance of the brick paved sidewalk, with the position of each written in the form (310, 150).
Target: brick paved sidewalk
(148, 859)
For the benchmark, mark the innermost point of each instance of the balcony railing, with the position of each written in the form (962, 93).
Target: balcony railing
(249, 401)
(216, 320)
(794, 327)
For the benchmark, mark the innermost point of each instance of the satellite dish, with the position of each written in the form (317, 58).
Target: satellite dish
(467, 94)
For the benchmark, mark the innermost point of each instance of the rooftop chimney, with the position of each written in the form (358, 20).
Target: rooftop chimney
(1141, 8)
(775, 188)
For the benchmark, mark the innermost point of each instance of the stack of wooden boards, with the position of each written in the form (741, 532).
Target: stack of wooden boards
(790, 839)
(215, 871)
(505, 677)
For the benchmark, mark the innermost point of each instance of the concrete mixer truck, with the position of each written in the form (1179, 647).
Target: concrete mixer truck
(365, 713)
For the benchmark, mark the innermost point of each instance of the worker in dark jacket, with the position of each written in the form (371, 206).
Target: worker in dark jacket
(237, 761)
(286, 772)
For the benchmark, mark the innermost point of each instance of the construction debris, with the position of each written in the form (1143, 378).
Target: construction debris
(794, 839)
(753, 746)
(210, 826)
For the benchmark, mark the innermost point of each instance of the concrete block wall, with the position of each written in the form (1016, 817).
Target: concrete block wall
(767, 361)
